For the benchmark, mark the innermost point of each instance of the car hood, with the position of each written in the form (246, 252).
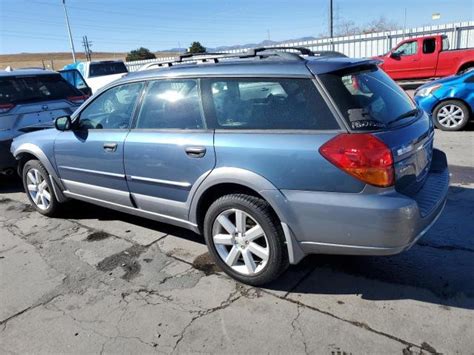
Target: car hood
(448, 80)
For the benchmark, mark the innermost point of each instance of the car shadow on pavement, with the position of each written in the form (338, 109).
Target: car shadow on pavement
(78, 210)
(439, 269)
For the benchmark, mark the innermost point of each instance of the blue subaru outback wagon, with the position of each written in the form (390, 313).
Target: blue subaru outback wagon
(270, 154)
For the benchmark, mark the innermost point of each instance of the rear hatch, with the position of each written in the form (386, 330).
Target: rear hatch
(371, 102)
(35, 99)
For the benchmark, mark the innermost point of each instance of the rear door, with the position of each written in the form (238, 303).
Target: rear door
(274, 127)
(170, 149)
(90, 157)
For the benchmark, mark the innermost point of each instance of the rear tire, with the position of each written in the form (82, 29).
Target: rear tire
(39, 189)
(246, 239)
(451, 115)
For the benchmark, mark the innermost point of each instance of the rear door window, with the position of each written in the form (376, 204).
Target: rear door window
(429, 45)
(285, 104)
(23, 89)
(368, 99)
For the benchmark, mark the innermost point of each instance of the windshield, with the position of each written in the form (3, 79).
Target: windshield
(17, 89)
(368, 99)
(102, 69)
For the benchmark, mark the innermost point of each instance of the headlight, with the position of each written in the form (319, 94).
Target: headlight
(427, 91)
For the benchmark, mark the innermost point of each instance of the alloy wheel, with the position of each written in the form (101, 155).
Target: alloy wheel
(38, 189)
(450, 116)
(240, 242)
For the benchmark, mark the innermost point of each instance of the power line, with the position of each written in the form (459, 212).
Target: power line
(87, 48)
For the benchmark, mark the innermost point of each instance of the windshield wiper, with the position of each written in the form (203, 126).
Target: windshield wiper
(410, 113)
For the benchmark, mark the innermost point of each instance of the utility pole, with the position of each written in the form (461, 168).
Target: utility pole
(331, 22)
(87, 48)
(69, 32)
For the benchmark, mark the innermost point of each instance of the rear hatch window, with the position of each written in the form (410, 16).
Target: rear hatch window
(102, 69)
(368, 99)
(24, 89)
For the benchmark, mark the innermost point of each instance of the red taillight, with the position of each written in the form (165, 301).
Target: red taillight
(4, 108)
(363, 156)
(77, 99)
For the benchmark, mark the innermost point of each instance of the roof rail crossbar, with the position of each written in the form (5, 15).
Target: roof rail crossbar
(260, 52)
(302, 50)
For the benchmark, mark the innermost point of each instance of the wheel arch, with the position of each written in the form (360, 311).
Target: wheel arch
(451, 98)
(223, 181)
(464, 66)
(28, 151)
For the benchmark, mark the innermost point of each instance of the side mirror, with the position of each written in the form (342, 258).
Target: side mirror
(63, 123)
(395, 55)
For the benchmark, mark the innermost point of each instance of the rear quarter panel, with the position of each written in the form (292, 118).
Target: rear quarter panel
(290, 161)
(449, 62)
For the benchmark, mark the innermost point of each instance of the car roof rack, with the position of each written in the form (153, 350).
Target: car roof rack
(259, 52)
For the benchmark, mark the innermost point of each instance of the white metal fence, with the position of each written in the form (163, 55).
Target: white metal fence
(460, 35)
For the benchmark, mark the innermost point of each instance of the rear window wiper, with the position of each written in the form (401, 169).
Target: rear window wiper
(410, 113)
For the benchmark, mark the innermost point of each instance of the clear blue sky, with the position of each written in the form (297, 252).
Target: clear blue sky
(121, 25)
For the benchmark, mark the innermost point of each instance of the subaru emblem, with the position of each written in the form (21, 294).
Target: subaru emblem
(44, 107)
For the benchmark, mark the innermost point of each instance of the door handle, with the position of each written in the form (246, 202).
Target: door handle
(110, 147)
(195, 152)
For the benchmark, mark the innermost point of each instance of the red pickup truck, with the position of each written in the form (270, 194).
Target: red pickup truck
(426, 57)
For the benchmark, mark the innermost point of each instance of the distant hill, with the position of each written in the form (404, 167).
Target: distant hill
(57, 60)
(264, 43)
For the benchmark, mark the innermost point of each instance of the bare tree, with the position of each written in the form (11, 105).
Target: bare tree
(348, 27)
(380, 25)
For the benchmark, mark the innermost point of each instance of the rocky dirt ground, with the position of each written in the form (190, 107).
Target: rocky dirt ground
(98, 281)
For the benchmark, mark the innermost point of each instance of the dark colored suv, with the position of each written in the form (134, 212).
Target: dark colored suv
(270, 155)
(31, 97)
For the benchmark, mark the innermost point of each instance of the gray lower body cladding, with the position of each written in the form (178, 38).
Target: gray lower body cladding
(365, 223)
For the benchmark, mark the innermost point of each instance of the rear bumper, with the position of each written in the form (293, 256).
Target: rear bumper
(373, 222)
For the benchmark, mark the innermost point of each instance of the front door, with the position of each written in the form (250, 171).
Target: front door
(404, 61)
(90, 157)
(169, 150)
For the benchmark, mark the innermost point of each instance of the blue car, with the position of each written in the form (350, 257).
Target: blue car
(449, 101)
(270, 155)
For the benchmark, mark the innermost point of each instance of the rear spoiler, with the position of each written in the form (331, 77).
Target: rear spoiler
(337, 64)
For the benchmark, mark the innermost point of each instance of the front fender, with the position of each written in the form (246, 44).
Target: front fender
(32, 149)
(37, 152)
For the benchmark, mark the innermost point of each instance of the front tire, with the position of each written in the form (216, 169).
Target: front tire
(451, 115)
(38, 188)
(246, 239)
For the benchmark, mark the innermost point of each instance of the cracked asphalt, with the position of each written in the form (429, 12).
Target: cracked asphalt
(98, 281)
